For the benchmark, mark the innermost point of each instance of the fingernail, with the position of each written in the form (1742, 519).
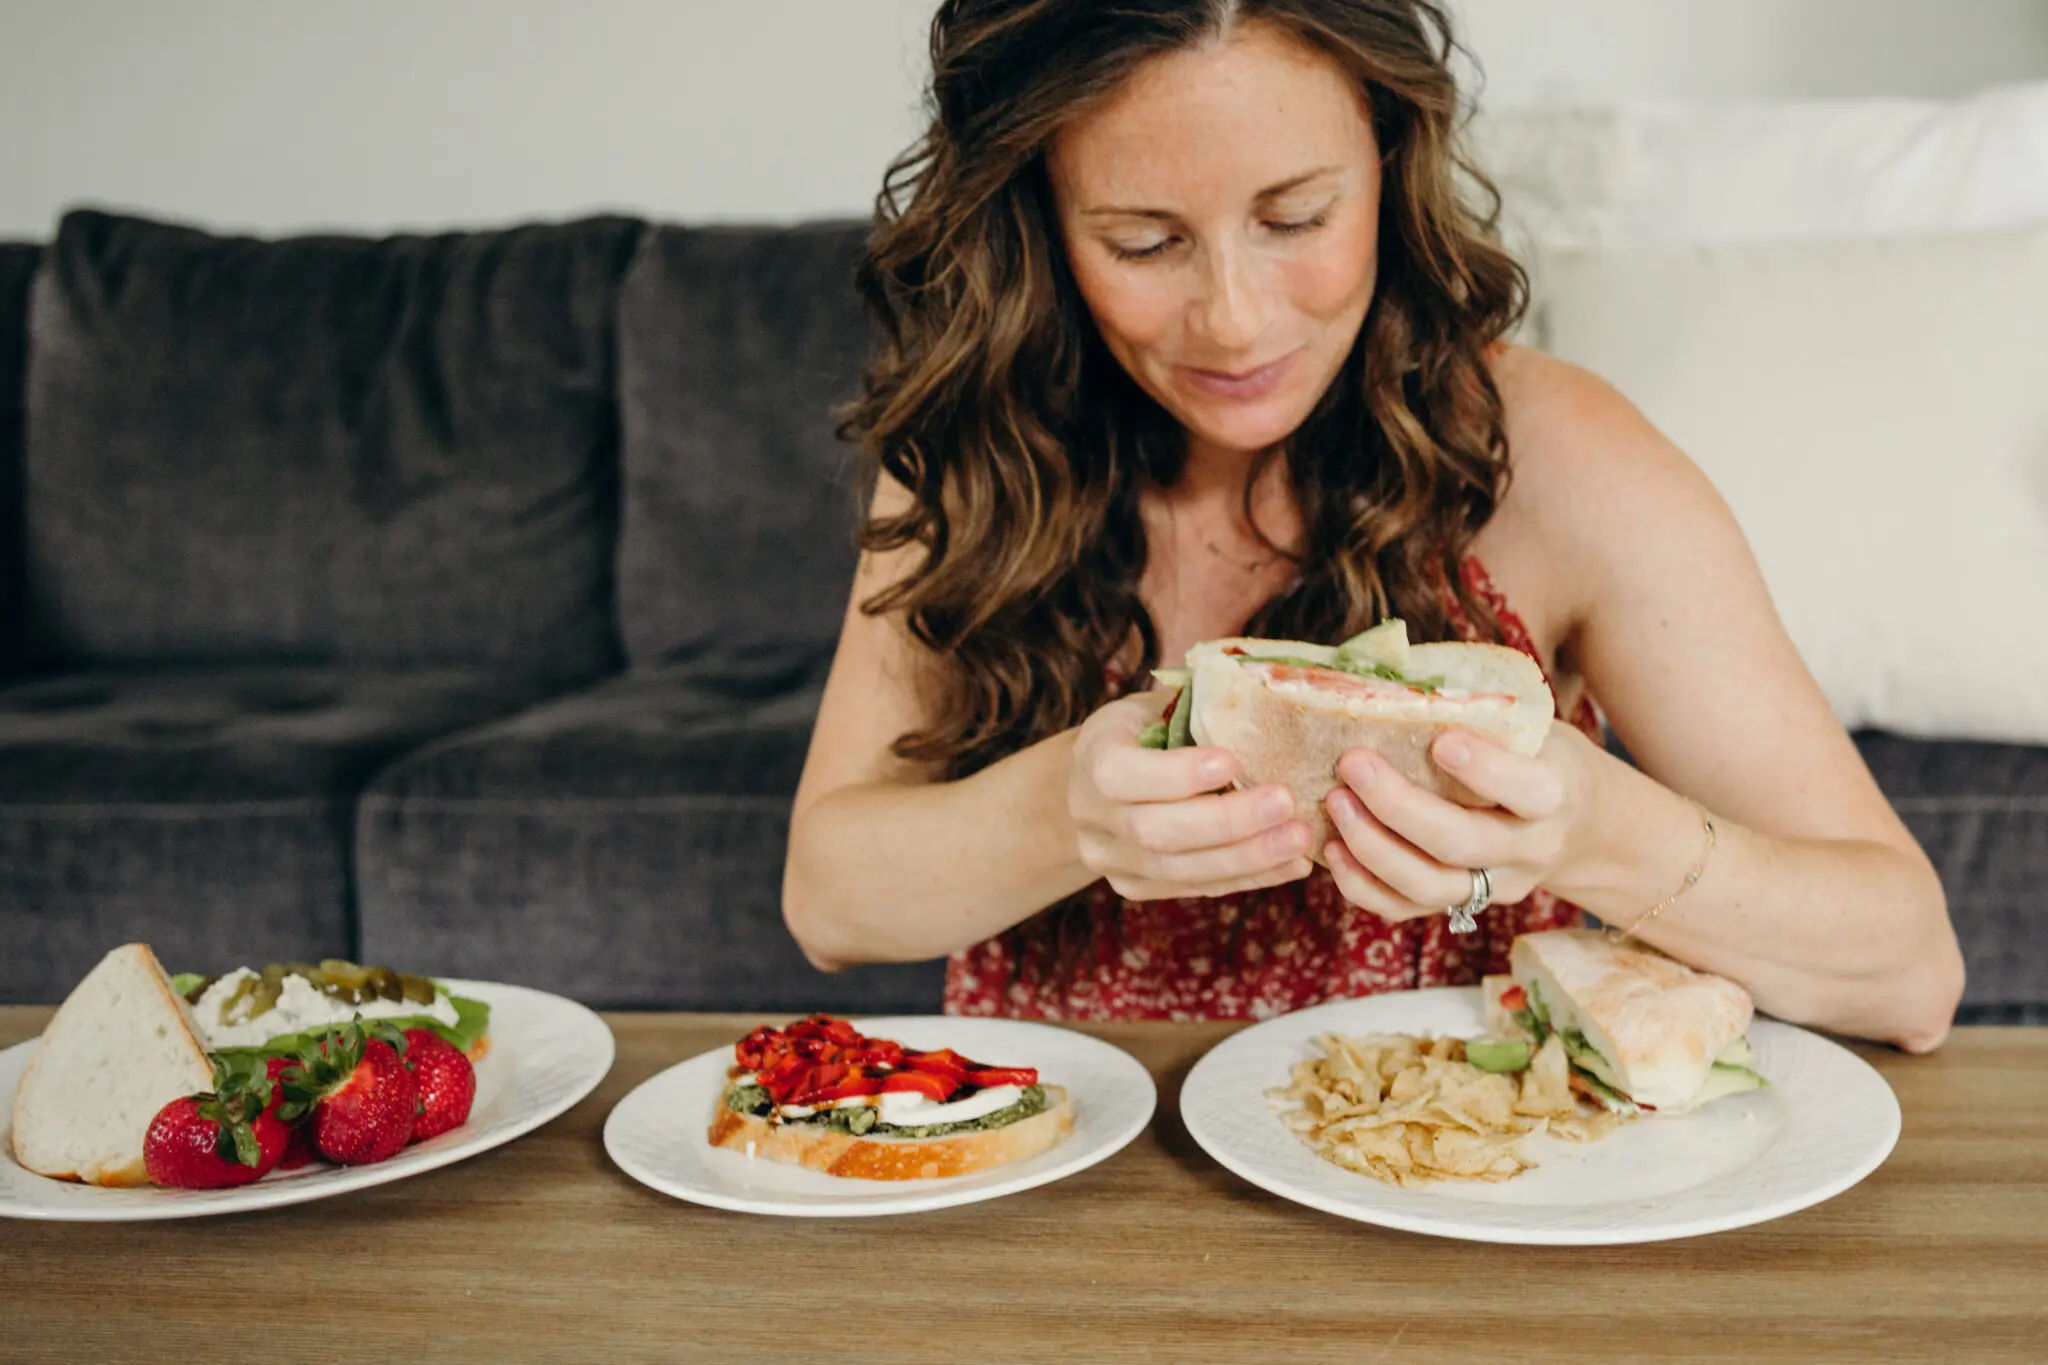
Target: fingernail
(1287, 841)
(1215, 770)
(1276, 805)
(1453, 752)
(1362, 772)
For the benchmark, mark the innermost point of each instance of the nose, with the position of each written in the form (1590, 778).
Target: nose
(1231, 313)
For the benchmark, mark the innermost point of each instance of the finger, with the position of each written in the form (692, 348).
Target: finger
(1523, 784)
(1407, 871)
(1240, 860)
(1147, 889)
(1366, 891)
(1442, 831)
(1209, 822)
(1130, 774)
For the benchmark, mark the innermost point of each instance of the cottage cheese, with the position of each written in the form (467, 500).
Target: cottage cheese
(300, 1006)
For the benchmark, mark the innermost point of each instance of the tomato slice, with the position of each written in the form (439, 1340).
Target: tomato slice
(1514, 998)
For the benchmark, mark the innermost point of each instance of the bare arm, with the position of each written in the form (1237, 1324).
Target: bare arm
(885, 865)
(1817, 897)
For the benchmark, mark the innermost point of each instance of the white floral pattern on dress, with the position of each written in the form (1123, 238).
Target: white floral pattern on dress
(1249, 956)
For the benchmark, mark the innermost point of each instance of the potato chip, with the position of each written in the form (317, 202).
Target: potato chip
(1407, 1110)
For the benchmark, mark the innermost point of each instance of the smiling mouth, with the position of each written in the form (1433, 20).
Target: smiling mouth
(1252, 383)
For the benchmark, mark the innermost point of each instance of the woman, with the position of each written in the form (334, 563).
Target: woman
(1190, 334)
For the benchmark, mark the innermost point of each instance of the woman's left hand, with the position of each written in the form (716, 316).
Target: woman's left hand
(1405, 853)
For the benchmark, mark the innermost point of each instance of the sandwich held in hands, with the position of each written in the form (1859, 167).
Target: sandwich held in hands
(1289, 711)
(819, 1094)
(1641, 1031)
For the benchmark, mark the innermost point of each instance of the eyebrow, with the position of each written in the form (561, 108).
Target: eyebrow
(1270, 192)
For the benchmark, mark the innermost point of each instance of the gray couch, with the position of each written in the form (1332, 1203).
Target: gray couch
(461, 602)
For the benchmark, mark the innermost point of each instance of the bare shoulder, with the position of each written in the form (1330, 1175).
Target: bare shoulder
(1596, 489)
(1670, 622)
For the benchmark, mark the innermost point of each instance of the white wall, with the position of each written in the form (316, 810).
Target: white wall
(282, 114)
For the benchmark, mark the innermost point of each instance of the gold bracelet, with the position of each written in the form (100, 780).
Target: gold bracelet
(1692, 878)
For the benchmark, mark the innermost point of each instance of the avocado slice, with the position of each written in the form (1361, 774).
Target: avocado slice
(1384, 646)
(1587, 1058)
(1497, 1054)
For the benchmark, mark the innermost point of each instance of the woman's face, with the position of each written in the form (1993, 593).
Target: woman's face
(1220, 214)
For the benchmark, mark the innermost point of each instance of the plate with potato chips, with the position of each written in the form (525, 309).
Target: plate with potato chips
(1377, 1110)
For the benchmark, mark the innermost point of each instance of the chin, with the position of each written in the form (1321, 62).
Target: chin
(1242, 427)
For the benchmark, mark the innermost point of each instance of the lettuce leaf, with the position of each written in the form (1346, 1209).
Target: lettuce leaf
(472, 1024)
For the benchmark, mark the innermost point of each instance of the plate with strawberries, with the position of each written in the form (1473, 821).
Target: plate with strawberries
(153, 1096)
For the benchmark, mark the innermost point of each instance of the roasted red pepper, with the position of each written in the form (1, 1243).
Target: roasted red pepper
(821, 1060)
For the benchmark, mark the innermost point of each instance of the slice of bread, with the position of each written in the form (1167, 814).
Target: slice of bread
(892, 1158)
(1296, 737)
(121, 1047)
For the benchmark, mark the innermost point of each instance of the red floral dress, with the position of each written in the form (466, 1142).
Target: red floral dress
(1247, 956)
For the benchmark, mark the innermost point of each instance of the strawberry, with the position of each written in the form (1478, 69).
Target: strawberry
(447, 1083)
(226, 1136)
(298, 1150)
(352, 1087)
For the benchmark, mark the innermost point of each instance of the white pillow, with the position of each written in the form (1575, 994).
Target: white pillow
(1769, 169)
(1876, 412)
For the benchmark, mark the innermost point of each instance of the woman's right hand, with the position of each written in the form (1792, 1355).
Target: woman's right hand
(1159, 823)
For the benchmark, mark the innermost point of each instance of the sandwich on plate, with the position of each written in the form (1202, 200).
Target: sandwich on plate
(819, 1094)
(1641, 1031)
(1289, 710)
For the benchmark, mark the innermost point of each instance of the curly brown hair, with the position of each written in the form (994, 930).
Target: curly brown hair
(1024, 445)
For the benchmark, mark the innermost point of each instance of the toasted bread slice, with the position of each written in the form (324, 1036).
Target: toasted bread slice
(893, 1158)
(121, 1047)
(1295, 735)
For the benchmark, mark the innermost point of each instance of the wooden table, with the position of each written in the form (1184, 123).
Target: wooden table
(543, 1250)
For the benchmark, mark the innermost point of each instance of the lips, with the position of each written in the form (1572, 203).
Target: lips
(1240, 385)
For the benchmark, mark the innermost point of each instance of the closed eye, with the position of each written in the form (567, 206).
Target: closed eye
(1141, 253)
(1300, 225)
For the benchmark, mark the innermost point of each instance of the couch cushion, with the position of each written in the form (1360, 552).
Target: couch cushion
(207, 813)
(1981, 812)
(1810, 381)
(623, 846)
(17, 267)
(737, 545)
(325, 450)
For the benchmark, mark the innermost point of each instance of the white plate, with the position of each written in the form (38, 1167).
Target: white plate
(1826, 1121)
(657, 1134)
(546, 1054)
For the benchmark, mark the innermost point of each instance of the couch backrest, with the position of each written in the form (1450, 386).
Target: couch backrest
(17, 269)
(738, 532)
(324, 449)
